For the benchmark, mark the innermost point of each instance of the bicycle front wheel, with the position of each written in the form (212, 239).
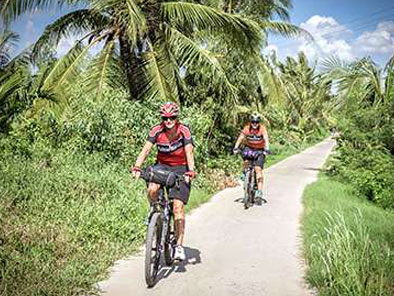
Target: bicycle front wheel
(170, 242)
(153, 249)
(247, 191)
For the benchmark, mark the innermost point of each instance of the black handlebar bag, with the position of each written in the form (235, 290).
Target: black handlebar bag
(159, 176)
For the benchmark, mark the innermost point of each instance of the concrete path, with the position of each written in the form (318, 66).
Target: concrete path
(232, 251)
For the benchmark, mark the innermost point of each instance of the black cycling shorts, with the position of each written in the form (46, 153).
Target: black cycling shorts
(260, 160)
(181, 192)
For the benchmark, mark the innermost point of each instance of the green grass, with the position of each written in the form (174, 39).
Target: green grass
(63, 225)
(348, 242)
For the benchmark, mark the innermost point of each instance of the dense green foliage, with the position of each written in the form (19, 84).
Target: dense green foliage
(348, 242)
(68, 205)
(366, 125)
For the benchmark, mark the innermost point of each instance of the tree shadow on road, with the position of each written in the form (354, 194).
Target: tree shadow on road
(192, 257)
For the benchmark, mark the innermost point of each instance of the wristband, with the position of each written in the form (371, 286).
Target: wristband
(136, 169)
(190, 174)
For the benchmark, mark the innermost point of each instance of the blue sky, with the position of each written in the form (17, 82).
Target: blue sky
(347, 28)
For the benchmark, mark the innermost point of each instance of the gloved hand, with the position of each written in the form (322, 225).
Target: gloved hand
(236, 151)
(267, 151)
(135, 171)
(189, 175)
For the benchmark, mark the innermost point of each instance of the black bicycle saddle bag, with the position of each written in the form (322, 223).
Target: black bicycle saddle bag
(159, 176)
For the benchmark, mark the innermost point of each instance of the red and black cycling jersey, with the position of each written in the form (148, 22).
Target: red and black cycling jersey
(255, 137)
(171, 143)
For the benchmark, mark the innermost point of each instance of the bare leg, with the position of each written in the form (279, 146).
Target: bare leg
(179, 215)
(245, 164)
(153, 191)
(259, 177)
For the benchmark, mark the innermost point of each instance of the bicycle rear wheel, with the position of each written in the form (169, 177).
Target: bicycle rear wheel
(170, 242)
(153, 249)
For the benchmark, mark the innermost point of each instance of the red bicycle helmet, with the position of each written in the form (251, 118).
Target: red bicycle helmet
(169, 109)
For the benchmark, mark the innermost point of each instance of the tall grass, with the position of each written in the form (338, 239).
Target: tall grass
(63, 225)
(348, 243)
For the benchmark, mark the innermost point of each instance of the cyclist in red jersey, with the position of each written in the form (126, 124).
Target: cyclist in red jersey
(255, 137)
(175, 153)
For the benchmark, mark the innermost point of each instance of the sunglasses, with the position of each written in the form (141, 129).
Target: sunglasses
(166, 118)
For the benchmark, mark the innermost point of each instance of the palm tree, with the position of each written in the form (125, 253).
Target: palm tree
(264, 9)
(21, 88)
(12, 77)
(306, 93)
(7, 41)
(148, 40)
(252, 75)
(263, 12)
(361, 80)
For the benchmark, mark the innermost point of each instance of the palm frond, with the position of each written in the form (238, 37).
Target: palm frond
(105, 69)
(332, 63)
(195, 16)
(9, 83)
(72, 24)
(269, 82)
(126, 14)
(389, 80)
(63, 68)
(285, 29)
(76, 60)
(157, 75)
(136, 23)
(188, 53)
(7, 40)
(12, 9)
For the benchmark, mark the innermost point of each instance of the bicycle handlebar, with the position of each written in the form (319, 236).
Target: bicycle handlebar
(147, 176)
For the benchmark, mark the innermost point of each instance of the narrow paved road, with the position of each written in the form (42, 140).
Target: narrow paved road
(232, 251)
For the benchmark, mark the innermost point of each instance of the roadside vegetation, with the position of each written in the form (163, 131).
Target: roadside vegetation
(348, 224)
(348, 241)
(365, 112)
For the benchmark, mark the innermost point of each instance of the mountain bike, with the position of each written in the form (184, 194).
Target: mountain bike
(160, 236)
(250, 181)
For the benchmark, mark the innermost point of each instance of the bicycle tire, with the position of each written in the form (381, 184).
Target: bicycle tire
(246, 189)
(253, 185)
(153, 241)
(170, 242)
(251, 188)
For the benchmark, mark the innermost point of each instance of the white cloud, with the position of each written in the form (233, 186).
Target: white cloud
(327, 27)
(379, 41)
(333, 38)
(330, 38)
